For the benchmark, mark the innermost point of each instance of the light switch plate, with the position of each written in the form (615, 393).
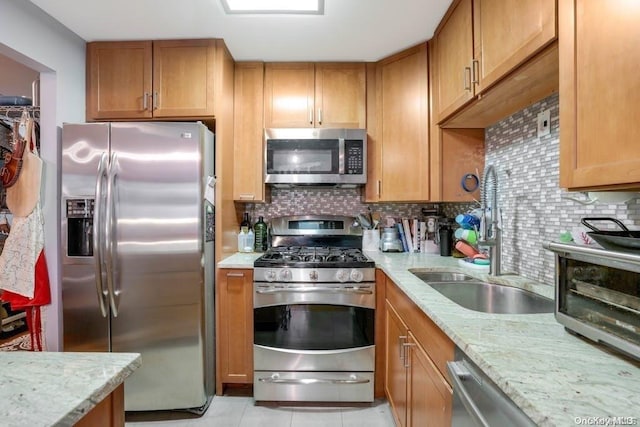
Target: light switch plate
(544, 123)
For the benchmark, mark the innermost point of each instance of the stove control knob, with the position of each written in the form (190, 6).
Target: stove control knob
(342, 275)
(285, 275)
(313, 275)
(356, 275)
(270, 275)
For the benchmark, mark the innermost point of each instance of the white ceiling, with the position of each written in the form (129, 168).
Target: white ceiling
(350, 30)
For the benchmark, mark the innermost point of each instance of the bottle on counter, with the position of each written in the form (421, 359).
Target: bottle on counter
(260, 230)
(242, 239)
(249, 241)
(245, 225)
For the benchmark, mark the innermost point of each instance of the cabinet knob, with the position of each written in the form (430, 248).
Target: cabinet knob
(145, 101)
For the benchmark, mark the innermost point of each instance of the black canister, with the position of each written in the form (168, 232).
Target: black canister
(445, 237)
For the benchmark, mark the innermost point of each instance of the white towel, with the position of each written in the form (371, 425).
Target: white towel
(20, 253)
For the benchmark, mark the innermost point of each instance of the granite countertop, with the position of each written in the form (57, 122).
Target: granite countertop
(556, 378)
(58, 388)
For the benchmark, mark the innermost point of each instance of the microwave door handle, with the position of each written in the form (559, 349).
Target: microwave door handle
(341, 156)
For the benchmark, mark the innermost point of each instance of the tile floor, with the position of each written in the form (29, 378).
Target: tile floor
(240, 411)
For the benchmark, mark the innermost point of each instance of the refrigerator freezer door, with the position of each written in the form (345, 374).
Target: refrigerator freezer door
(85, 328)
(156, 258)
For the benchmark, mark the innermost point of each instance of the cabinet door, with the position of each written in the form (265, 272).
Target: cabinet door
(289, 95)
(183, 78)
(248, 131)
(507, 33)
(119, 80)
(234, 332)
(404, 158)
(453, 60)
(599, 86)
(396, 372)
(340, 100)
(430, 396)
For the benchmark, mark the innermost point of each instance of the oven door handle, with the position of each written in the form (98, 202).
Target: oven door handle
(275, 379)
(365, 291)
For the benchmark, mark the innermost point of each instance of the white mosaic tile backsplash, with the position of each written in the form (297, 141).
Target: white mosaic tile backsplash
(535, 209)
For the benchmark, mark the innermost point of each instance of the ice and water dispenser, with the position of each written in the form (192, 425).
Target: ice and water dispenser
(80, 227)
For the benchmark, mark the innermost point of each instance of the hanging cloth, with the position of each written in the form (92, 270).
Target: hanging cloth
(23, 272)
(23, 267)
(25, 193)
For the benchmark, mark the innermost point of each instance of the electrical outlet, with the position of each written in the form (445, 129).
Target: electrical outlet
(544, 123)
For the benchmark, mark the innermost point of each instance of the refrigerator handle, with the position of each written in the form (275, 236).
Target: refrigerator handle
(97, 242)
(109, 237)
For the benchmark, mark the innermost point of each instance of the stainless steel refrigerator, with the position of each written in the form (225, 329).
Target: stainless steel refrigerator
(137, 233)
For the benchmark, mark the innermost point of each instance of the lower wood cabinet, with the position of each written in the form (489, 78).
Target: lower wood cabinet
(108, 413)
(234, 327)
(416, 352)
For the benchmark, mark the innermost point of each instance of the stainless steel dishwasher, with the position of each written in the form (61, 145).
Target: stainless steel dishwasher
(477, 401)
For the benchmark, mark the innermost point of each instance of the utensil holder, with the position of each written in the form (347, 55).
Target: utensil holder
(370, 240)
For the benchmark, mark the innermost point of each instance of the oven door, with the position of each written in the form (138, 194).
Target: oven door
(314, 343)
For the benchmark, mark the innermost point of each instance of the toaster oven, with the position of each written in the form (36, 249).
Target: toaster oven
(598, 295)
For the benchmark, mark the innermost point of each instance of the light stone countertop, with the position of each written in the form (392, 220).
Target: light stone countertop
(58, 388)
(240, 260)
(553, 376)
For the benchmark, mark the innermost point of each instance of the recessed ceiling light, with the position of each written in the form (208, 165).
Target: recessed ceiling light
(303, 7)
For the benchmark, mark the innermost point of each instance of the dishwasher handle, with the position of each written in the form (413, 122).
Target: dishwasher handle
(459, 373)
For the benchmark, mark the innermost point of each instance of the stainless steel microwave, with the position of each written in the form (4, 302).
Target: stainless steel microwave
(308, 156)
(598, 295)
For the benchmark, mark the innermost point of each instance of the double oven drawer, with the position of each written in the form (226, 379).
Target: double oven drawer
(319, 387)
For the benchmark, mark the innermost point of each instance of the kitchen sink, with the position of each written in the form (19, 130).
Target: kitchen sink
(429, 276)
(491, 298)
(476, 295)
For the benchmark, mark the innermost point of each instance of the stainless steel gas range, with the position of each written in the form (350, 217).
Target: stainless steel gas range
(314, 313)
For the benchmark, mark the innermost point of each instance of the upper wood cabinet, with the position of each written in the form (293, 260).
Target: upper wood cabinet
(453, 59)
(481, 41)
(303, 95)
(599, 86)
(248, 183)
(399, 163)
(150, 79)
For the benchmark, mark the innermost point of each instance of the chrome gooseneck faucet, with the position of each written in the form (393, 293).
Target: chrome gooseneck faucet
(491, 229)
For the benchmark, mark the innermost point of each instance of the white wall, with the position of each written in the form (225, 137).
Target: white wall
(15, 78)
(34, 39)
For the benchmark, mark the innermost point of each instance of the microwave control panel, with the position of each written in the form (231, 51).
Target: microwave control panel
(354, 157)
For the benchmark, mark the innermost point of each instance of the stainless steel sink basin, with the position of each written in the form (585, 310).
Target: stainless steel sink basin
(491, 298)
(429, 276)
